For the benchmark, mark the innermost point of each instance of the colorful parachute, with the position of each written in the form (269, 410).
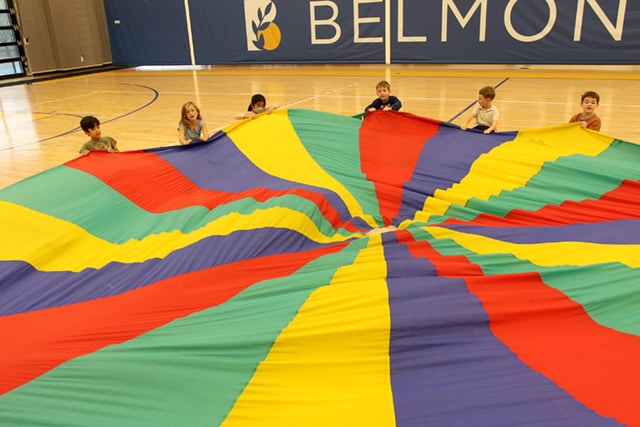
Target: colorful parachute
(308, 269)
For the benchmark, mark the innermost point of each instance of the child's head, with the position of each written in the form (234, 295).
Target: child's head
(589, 102)
(590, 94)
(258, 103)
(383, 90)
(91, 126)
(486, 95)
(189, 112)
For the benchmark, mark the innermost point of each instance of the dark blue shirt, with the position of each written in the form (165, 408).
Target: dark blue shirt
(392, 102)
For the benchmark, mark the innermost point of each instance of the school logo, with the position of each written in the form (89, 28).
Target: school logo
(262, 32)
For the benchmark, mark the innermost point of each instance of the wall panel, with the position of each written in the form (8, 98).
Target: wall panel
(151, 32)
(375, 31)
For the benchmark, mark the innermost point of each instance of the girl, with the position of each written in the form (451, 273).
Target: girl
(257, 106)
(191, 127)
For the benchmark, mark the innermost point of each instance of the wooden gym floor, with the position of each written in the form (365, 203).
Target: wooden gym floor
(140, 107)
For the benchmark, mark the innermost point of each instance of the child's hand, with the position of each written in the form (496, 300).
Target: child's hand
(463, 127)
(271, 108)
(371, 109)
(583, 123)
(486, 132)
(386, 108)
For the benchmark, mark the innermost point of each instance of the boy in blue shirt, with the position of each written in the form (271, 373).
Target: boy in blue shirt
(385, 101)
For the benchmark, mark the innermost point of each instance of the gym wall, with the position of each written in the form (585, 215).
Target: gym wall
(182, 32)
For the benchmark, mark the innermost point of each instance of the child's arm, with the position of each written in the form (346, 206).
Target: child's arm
(245, 115)
(373, 106)
(594, 123)
(270, 108)
(181, 139)
(493, 127)
(83, 150)
(465, 125)
(204, 133)
(396, 104)
(114, 146)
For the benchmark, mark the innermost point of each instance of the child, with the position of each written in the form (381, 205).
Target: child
(91, 127)
(191, 127)
(258, 105)
(385, 101)
(589, 102)
(485, 114)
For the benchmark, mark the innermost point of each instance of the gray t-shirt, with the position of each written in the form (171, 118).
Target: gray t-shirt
(103, 144)
(193, 134)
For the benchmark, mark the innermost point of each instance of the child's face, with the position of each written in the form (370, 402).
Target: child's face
(191, 114)
(258, 107)
(94, 132)
(589, 105)
(484, 101)
(383, 93)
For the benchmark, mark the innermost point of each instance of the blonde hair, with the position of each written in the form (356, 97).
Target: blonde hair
(183, 112)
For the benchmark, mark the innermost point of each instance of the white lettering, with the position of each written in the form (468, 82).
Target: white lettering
(612, 21)
(401, 37)
(616, 32)
(464, 20)
(331, 22)
(553, 14)
(357, 21)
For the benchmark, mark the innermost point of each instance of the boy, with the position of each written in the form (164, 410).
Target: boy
(484, 113)
(91, 127)
(385, 101)
(589, 102)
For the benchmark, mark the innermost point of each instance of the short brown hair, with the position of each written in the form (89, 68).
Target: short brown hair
(383, 83)
(590, 94)
(487, 92)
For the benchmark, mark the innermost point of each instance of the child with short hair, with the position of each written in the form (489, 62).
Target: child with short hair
(385, 101)
(484, 113)
(257, 106)
(191, 127)
(588, 118)
(91, 127)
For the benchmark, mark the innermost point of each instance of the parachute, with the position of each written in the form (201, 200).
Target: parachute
(310, 269)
